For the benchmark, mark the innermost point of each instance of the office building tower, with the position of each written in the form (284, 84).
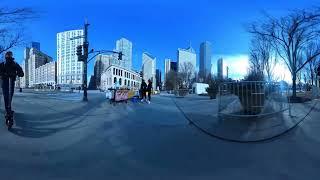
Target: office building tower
(69, 70)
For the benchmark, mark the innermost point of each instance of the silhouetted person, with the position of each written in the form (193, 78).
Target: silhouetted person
(149, 90)
(9, 70)
(143, 90)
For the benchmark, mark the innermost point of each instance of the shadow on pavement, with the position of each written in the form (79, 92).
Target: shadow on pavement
(34, 126)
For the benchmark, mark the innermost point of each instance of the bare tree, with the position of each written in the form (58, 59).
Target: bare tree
(262, 56)
(171, 80)
(12, 25)
(311, 68)
(289, 36)
(186, 74)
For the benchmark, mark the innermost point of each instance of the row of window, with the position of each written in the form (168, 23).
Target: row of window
(126, 74)
(121, 82)
(71, 78)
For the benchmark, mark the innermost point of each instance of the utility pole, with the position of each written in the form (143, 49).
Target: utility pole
(84, 58)
(85, 61)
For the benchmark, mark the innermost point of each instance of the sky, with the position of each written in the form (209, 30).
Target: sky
(159, 27)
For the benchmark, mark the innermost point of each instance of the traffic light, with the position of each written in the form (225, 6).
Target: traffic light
(120, 56)
(79, 52)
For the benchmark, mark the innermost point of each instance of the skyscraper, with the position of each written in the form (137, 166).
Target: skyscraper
(205, 59)
(70, 71)
(35, 45)
(186, 56)
(125, 46)
(166, 68)
(102, 63)
(173, 66)
(158, 79)
(220, 68)
(149, 68)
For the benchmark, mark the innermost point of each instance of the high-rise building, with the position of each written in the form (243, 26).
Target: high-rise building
(158, 79)
(35, 45)
(125, 46)
(25, 79)
(35, 59)
(185, 56)
(173, 66)
(101, 64)
(70, 71)
(149, 68)
(220, 68)
(166, 67)
(205, 59)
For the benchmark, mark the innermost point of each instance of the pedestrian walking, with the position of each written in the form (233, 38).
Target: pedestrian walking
(143, 90)
(149, 90)
(9, 70)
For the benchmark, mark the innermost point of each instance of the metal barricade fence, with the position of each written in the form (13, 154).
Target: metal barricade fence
(251, 98)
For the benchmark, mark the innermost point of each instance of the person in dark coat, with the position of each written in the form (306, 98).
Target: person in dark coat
(143, 90)
(149, 90)
(9, 70)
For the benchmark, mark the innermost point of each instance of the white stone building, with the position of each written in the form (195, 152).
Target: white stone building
(117, 75)
(69, 70)
(149, 68)
(46, 74)
(186, 56)
(125, 46)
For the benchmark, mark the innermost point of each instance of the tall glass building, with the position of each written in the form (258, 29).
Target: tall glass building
(166, 67)
(125, 46)
(205, 59)
(70, 71)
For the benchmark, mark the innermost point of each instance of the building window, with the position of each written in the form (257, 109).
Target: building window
(128, 82)
(116, 71)
(120, 81)
(125, 82)
(114, 80)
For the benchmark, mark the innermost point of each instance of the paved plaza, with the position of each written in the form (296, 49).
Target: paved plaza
(56, 136)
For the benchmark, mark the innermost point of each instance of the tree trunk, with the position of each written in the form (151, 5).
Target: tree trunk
(294, 85)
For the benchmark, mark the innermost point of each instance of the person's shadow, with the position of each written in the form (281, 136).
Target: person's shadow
(42, 125)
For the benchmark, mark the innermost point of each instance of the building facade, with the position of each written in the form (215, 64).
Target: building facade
(35, 59)
(35, 45)
(46, 75)
(158, 79)
(69, 70)
(22, 80)
(166, 68)
(125, 46)
(186, 56)
(220, 68)
(173, 66)
(103, 62)
(115, 76)
(205, 59)
(149, 68)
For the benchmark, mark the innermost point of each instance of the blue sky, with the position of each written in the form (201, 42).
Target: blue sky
(159, 27)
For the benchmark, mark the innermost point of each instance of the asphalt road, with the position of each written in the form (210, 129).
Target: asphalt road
(63, 138)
